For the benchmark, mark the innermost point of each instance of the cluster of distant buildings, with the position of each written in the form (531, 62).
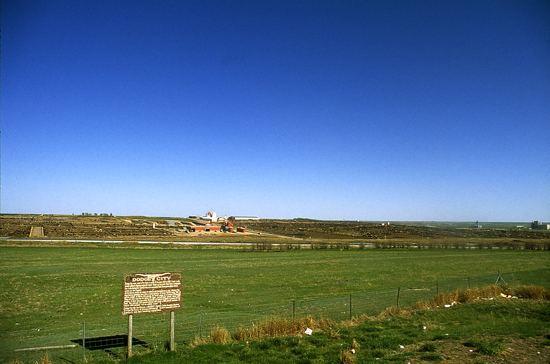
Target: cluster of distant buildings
(212, 217)
(538, 225)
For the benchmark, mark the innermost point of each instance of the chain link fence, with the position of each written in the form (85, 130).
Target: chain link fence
(76, 342)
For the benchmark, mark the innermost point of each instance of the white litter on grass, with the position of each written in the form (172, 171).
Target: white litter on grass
(423, 327)
(507, 296)
(308, 331)
(401, 346)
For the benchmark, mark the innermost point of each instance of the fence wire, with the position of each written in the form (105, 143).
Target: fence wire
(101, 339)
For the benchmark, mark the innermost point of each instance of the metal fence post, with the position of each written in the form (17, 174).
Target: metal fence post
(398, 290)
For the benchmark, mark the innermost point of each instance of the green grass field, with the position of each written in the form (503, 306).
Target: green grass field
(46, 293)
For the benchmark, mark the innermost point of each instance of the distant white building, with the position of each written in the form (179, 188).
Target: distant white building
(210, 216)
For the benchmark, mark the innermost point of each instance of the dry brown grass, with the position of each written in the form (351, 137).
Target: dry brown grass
(533, 292)
(491, 291)
(391, 312)
(464, 296)
(421, 305)
(196, 342)
(469, 295)
(219, 335)
(281, 327)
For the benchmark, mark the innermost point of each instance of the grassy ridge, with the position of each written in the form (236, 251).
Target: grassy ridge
(469, 333)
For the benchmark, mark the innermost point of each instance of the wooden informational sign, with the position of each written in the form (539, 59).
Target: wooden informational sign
(151, 292)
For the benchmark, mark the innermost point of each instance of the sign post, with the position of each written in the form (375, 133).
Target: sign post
(172, 344)
(149, 293)
(130, 333)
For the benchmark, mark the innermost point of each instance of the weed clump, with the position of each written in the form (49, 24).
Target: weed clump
(391, 312)
(355, 345)
(421, 306)
(429, 347)
(468, 295)
(219, 335)
(533, 292)
(491, 291)
(347, 357)
(485, 347)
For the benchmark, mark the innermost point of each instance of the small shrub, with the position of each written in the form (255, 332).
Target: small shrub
(219, 335)
(334, 334)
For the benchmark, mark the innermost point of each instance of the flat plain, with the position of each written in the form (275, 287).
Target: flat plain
(51, 290)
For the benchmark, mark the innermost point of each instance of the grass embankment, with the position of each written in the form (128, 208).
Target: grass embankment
(465, 326)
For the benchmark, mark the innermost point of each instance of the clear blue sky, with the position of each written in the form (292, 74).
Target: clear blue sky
(369, 110)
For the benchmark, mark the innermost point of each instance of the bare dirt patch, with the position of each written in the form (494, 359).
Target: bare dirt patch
(530, 350)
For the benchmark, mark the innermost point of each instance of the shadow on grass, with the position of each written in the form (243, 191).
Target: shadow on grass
(106, 343)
